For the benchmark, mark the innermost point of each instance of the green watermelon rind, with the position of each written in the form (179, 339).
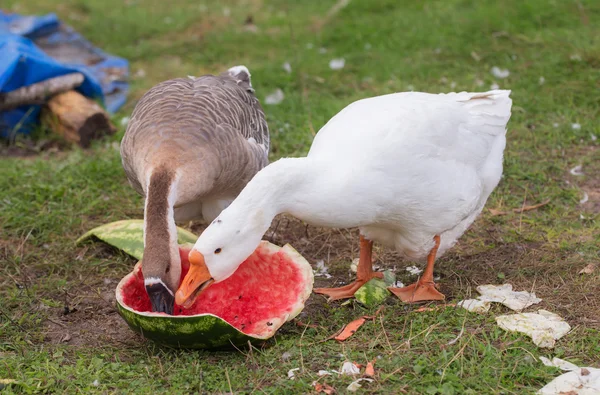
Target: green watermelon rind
(375, 291)
(128, 236)
(209, 331)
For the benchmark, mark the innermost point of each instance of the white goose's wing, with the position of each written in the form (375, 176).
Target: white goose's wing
(457, 126)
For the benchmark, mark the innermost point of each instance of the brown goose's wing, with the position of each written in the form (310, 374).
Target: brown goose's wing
(212, 123)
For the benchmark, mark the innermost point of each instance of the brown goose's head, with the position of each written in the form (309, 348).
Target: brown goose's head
(159, 280)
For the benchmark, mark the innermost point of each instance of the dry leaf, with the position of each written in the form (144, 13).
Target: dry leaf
(325, 388)
(305, 325)
(372, 317)
(350, 329)
(495, 212)
(370, 369)
(589, 269)
(522, 209)
(353, 326)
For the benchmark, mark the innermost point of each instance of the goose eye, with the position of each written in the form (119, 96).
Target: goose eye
(218, 250)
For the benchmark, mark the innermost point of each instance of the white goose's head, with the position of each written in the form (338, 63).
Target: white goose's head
(220, 250)
(237, 231)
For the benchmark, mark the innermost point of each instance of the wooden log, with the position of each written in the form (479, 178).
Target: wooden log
(76, 118)
(39, 92)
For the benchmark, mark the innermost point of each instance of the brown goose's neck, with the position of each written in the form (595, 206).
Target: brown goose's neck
(161, 254)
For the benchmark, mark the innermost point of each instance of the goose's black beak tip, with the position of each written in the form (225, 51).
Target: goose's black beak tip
(161, 298)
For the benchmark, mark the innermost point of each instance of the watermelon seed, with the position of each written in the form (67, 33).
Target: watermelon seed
(269, 324)
(240, 297)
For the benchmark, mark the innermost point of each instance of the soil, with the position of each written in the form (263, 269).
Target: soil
(90, 319)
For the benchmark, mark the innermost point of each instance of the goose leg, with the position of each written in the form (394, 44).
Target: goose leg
(364, 273)
(424, 289)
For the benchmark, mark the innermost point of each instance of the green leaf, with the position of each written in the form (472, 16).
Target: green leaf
(374, 292)
(128, 236)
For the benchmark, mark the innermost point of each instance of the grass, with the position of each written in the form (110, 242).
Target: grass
(48, 200)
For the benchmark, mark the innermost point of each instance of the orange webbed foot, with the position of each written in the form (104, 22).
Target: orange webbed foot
(347, 291)
(418, 292)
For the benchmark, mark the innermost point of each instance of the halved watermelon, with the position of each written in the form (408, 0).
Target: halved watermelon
(266, 291)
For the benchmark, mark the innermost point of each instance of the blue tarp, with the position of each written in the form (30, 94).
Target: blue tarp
(35, 48)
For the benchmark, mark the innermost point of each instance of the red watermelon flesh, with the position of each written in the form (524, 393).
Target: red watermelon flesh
(265, 288)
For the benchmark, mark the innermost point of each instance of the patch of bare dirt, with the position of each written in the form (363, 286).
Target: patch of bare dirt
(552, 274)
(89, 319)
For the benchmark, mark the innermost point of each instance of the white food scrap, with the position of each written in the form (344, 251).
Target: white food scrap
(414, 270)
(337, 64)
(355, 385)
(292, 374)
(514, 300)
(275, 97)
(543, 327)
(577, 381)
(500, 73)
(475, 305)
(321, 270)
(349, 368)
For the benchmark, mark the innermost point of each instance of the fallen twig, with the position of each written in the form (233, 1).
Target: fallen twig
(522, 209)
(425, 308)
(305, 325)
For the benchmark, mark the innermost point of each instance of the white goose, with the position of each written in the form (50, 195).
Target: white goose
(410, 170)
(191, 146)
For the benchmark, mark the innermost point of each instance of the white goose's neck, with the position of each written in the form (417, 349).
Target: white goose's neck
(275, 188)
(306, 188)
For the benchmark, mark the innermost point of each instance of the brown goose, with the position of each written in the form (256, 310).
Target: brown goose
(190, 147)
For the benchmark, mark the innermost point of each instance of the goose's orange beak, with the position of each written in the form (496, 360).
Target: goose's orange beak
(196, 280)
